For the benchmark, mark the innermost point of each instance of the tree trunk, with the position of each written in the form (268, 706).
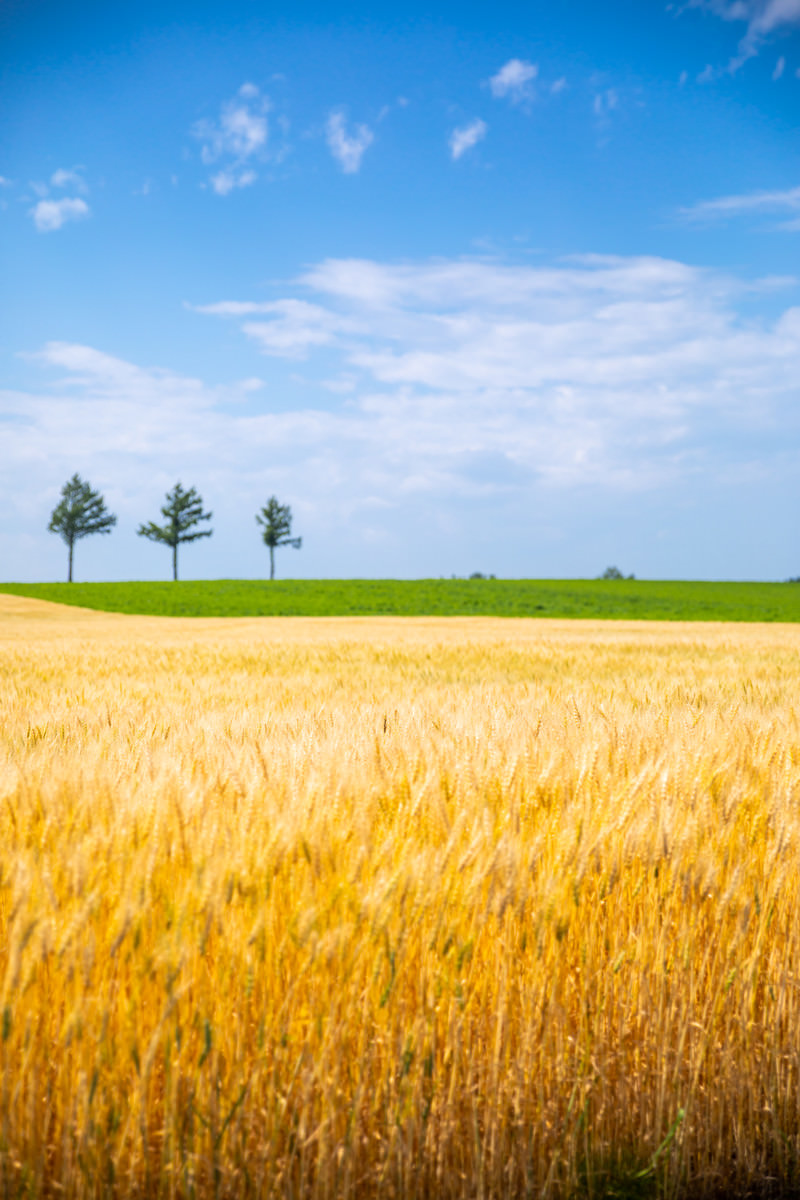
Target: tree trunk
(71, 544)
(175, 562)
(272, 562)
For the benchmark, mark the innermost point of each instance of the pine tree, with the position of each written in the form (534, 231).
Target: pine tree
(80, 513)
(183, 510)
(276, 523)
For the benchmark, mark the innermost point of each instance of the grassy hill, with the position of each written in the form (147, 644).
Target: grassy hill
(615, 599)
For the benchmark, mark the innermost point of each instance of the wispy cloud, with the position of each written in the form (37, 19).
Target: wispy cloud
(347, 148)
(467, 136)
(400, 103)
(708, 74)
(780, 67)
(725, 207)
(226, 181)
(514, 81)
(103, 375)
(49, 215)
(601, 368)
(237, 138)
(233, 308)
(605, 103)
(69, 178)
(763, 18)
(294, 327)
(433, 391)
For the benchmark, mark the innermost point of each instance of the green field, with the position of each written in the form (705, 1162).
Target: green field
(614, 599)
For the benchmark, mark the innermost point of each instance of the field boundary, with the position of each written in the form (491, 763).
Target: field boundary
(626, 599)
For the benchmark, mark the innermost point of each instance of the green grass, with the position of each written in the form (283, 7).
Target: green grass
(618, 599)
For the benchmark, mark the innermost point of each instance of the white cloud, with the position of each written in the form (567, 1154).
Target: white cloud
(239, 135)
(466, 137)
(63, 178)
(780, 67)
(294, 326)
(5, 182)
(49, 215)
(514, 81)
(432, 392)
(738, 205)
(102, 376)
(768, 16)
(226, 181)
(585, 370)
(239, 132)
(233, 308)
(558, 85)
(347, 148)
(683, 78)
(763, 18)
(363, 282)
(605, 103)
(133, 431)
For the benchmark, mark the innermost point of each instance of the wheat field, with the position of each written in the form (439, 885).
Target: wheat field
(409, 908)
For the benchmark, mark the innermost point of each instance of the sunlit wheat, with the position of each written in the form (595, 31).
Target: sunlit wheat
(311, 908)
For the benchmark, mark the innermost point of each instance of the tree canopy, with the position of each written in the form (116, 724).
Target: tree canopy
(80, 512)
(275, 520)
(182, 512)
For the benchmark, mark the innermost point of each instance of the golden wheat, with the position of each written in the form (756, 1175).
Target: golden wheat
(397, 908)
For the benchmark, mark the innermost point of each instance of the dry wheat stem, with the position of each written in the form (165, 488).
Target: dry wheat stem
(310, 908)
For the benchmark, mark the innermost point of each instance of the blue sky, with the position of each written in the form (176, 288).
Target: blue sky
(472, 287)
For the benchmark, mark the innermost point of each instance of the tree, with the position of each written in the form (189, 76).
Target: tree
(80, 512)
(276, 524)
(183, 511)
(615, 573)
